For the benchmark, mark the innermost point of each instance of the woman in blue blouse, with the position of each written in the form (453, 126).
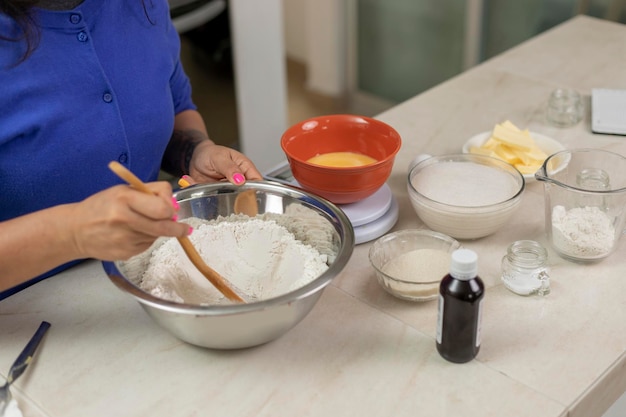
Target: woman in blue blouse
(82, 83)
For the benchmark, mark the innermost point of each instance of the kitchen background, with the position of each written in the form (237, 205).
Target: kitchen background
(361, 56)
(364, 56)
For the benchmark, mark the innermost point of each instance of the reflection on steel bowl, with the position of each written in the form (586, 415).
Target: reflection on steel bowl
(242, 325)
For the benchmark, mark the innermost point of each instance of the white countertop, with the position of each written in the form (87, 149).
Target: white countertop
(361, 351)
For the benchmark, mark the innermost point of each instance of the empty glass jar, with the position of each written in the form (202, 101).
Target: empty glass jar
(565, 108)
(524, 268)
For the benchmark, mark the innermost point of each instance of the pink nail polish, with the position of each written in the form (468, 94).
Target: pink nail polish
(175, 218)
(190, 230)
(175, 203)
(186, 177)
(238, 178)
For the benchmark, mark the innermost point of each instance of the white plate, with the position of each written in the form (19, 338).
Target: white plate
(545, 143)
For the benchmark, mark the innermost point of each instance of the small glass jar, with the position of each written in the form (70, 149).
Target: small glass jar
(565, 108)
(524, 269)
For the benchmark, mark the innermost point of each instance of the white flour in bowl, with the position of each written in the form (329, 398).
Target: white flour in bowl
(260, 257)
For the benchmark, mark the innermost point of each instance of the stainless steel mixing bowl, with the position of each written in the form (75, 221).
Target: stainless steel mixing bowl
(242, 325)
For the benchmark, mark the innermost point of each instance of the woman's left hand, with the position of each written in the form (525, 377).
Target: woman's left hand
(211, 163)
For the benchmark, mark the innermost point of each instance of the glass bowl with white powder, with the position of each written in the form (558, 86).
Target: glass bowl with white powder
(463, 195)
(409, 264)
(280, 253)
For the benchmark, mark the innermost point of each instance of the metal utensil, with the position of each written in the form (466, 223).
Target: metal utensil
(20, 364)
(213, 276)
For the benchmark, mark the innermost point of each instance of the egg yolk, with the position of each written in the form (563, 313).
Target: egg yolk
(342, 159)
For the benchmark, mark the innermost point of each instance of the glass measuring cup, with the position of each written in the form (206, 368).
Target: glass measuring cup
(585, 202)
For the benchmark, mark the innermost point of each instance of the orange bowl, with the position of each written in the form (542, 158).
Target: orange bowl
(341, 133)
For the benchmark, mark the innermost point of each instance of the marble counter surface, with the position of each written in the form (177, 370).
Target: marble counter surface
(361, 351)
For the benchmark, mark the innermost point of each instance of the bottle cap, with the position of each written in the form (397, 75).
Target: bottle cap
(464, 265)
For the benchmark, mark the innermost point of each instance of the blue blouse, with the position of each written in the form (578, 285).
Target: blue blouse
(103, 84)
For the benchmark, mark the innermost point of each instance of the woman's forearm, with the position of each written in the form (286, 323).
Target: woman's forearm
(35, 243)
(189, 131)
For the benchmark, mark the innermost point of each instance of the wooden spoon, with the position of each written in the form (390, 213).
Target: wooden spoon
(213, 276)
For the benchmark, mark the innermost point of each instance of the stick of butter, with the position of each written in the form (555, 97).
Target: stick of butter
(513, 145)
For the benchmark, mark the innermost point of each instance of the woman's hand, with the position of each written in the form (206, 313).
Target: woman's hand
(121, 222)
(190, 151)
(211, 162)
(113, 224)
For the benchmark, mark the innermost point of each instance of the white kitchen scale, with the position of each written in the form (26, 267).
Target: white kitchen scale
(371, 217)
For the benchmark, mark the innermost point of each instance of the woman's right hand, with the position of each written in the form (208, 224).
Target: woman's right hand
(114, 224)
(121, 222)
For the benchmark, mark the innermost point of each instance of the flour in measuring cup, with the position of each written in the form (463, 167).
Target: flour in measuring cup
(583, 232)
(260, 257)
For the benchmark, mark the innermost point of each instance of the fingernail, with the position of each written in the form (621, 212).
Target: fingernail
(238, 178)
(175, 217)
(183, 182)
(190, 230)
(175, 203)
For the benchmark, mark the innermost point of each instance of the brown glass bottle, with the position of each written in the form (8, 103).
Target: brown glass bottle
(460, 296)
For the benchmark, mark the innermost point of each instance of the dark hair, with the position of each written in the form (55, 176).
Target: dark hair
(19, 11)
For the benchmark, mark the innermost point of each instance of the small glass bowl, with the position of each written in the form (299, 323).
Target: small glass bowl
(410, 264)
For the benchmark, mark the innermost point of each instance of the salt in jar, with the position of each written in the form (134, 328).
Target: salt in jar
(524, 269)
